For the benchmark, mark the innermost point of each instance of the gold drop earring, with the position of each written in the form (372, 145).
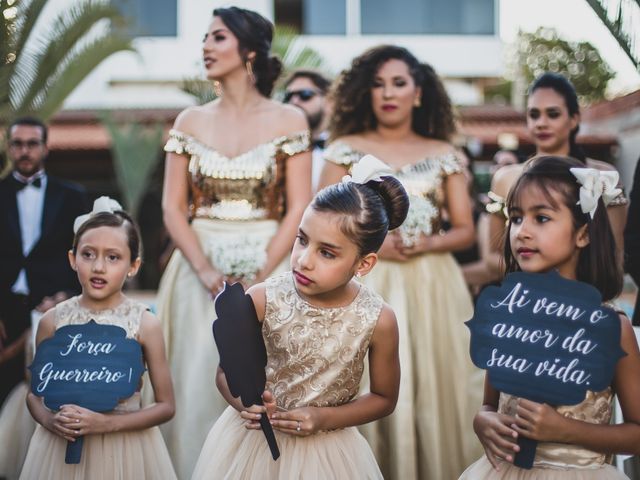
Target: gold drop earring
(250, 71)
(217, 88)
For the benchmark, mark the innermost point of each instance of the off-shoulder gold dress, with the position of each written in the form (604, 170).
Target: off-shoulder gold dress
(235, 205)
(315, 357)
(139, 454)
(557, 461)
(430, 434)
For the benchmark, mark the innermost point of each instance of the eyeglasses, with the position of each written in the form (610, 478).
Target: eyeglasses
(30, 144)
(304, 95)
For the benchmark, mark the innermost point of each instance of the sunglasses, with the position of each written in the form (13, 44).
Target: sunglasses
(304, 95)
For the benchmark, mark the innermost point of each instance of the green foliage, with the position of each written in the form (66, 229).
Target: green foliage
(41, 69)
(285, 45)
(544, 51)
(135, 151)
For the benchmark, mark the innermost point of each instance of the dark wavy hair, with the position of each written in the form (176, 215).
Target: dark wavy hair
(116, 219)
(368, 211)
(353, 112)
(254, 34)
(597, 262)
(563, 87)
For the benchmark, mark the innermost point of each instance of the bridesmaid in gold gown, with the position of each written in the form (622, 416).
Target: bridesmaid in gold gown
(391, 106)
(237, 179)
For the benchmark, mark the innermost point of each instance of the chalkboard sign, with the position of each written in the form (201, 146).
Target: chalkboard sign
(545, 338)
(243, 355)
(90, 365)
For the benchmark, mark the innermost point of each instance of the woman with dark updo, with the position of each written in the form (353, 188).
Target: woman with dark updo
(237, 179)
(391, 106)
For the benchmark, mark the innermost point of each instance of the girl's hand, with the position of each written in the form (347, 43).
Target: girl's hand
(59, 424)
(253, 413)
(212, 280)
(84, 421)
(302, 422)
(538, 421)
(496, 437)
(391, 248)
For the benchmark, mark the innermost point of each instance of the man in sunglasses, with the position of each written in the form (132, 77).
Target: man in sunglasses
(307, 89)
(36, 231)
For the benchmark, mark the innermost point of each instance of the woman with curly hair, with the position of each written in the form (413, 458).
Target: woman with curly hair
(237, 179)
(390, 105)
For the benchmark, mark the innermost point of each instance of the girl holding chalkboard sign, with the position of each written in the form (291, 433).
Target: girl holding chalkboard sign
(558, 221)
(125, 443)
(318, 325)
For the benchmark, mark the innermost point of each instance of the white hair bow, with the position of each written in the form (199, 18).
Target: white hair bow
(367, 169)
(102, 204)
(596, 184)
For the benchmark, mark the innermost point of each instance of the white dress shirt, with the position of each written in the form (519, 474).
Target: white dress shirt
(30, 206)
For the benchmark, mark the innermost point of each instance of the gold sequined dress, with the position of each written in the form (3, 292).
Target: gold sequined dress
(315, 357)
(557, 461)
(429, 436)
(235, 205)
(139, 454)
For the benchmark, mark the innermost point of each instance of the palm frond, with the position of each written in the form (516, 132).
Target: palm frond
(69, 30)
(30, 12)
(74, 71)
(135, 150)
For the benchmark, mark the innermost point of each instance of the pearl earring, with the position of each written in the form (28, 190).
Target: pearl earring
(358, 274)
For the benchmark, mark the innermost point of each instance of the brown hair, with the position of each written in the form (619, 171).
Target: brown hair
(368, 210)
(597, 262)
(116, 219)
(353, 112)
(254, 34)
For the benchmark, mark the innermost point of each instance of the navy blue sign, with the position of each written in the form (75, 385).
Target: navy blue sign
(90, 365)
(545, 338)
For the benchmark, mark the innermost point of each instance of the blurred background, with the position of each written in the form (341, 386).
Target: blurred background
(111, 76)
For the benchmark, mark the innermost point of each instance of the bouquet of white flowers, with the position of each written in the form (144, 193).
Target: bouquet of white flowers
(238, 256)
(419, 220)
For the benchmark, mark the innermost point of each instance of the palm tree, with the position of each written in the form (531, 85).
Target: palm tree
(285, 45)
(40, 68)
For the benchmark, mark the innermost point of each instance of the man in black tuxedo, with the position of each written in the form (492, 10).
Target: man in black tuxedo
(632, 239)
(36, 232)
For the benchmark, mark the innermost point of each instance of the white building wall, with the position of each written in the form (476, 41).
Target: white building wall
(150, 77)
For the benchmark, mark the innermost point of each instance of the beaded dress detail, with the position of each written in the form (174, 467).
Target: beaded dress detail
(246, 187)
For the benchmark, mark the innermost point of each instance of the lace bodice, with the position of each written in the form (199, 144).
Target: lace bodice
(249, 186)
(126, 315)
(423, 181)
(596, 408)
(315, 355)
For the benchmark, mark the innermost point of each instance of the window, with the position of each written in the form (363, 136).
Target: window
(428, 16)
(404, 17)
(150, 18)
(312, 17)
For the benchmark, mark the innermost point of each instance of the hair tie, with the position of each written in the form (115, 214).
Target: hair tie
(102, 204)
(369, 168)
(596, 184)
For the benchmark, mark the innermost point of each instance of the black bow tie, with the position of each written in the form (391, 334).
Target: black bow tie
(19, 184)
(319, 143)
